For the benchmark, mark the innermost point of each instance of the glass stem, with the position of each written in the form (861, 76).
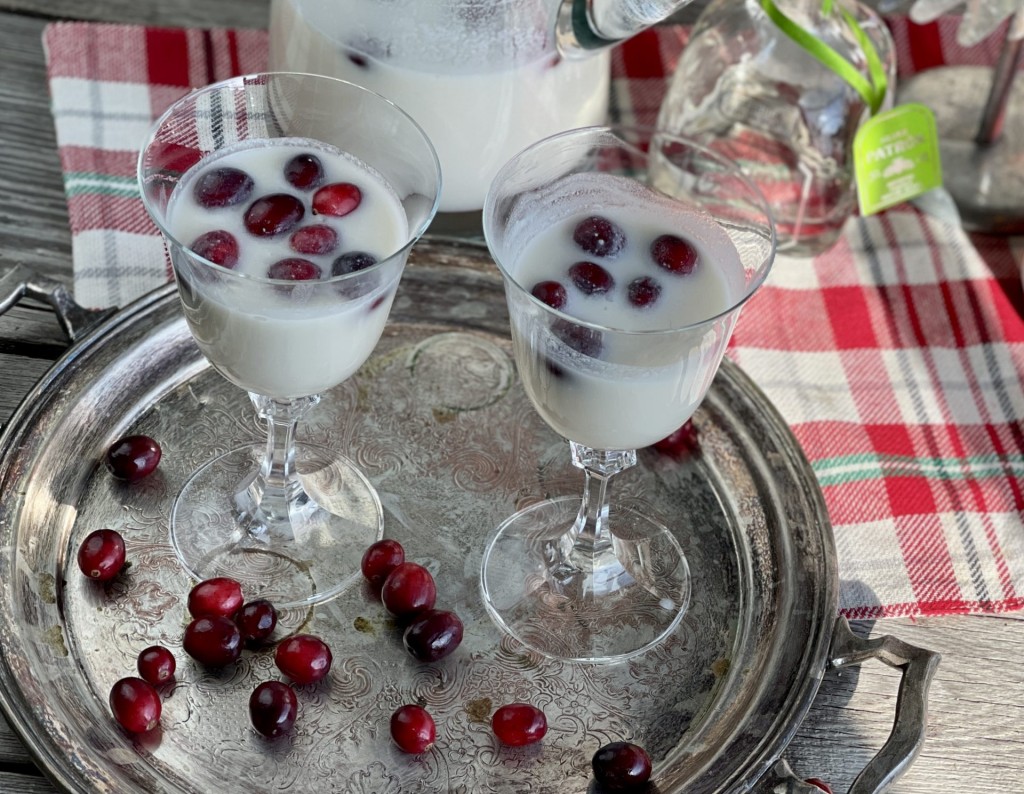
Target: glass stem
(275, 493)
(589, 538)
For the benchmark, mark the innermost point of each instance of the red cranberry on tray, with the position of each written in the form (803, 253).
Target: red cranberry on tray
(304, 658)
(413, 729)
(519, 724)
(133, 457)
(101, 556)
(135, 705)
(273, 708)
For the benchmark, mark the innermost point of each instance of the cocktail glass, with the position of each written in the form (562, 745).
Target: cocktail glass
(590, 579)
(287, 519)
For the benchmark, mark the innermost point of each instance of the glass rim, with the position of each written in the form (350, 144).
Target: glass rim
(239, 81)
(649, 131)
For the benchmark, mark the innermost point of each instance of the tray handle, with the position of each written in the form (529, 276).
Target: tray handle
(892, 759)
(19, 281)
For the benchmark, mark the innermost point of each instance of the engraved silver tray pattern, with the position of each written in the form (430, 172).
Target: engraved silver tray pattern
(438, 421)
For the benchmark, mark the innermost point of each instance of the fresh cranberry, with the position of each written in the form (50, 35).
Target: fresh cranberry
(678, 442)
(337, 199)
(273, 708)
(674, 254)
(135, 705)
(819, 783)
(256, 621)
(599, 236)
(433, 635)
(133, 457)
(550, 292)
(214, 641)
(591, 279)
(352, 262)
(294, 269)
(620, 766)
(156, 665)
(380, 559)
(101, 555)
(222, 187)
(269, 216)
(303, 658)
(519, 724)
(643, 292)
(219, 246)
(217, 596)
(304, 171)
(408, 590)
(413, 729)
(314, 240)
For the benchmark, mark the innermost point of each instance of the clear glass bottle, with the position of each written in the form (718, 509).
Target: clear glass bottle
(745, 88)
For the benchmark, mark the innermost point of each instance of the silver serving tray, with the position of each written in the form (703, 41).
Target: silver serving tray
(438, 421)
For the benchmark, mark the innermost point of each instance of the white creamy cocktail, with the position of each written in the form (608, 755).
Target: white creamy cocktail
(289, 204)
(626, 256)
(610, 383)
(301, 338)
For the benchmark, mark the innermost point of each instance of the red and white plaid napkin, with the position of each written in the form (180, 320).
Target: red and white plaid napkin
(897, 357)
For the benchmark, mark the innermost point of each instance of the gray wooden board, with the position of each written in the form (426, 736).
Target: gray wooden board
(974, 741)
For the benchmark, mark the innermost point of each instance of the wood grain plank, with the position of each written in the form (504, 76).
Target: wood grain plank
(33, 212)
(14, 783)
(177, 13)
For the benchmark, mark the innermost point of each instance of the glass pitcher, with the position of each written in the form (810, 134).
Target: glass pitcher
(484, 78)
(746, 88)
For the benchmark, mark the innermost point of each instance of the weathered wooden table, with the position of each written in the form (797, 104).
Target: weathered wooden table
(974, 739)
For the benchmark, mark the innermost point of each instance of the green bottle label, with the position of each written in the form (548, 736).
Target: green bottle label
(896, 157)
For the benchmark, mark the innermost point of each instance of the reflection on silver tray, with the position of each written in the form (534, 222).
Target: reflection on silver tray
(439, 422)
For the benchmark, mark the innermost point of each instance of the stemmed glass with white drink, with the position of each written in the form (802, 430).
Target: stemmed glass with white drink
(626, 257)
(289, 204)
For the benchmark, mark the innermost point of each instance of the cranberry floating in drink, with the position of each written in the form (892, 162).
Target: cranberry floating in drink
(619, 321)
(675, 254)
(599, 236)
(222, 187)
(338, 199)
(316, 239)
(308, 238)
(219, 246)
(304, 171)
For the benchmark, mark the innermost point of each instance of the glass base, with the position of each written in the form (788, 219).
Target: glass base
(294, 552)
(605, 607)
